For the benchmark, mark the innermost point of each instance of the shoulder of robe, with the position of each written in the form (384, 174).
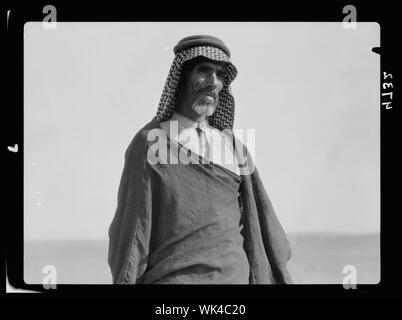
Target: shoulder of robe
(137, 149)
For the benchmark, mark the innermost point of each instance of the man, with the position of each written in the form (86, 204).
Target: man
(191, 207)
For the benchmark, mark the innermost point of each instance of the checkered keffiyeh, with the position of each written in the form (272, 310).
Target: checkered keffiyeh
(223, 116)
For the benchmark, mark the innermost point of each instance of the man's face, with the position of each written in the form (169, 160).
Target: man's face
(204, 82)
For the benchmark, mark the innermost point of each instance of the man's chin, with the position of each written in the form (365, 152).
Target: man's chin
(205, 109)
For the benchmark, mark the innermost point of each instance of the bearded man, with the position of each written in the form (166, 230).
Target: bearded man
(192, 208)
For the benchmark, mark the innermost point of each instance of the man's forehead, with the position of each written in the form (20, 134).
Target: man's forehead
(210, 63)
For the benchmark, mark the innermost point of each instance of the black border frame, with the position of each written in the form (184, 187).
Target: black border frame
(383, 14)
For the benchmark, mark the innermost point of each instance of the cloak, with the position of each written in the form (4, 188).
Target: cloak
(130, 233)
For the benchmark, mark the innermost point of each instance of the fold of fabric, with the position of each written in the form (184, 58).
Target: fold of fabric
(133, 236)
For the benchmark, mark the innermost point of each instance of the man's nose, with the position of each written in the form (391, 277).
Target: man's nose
(213, 79)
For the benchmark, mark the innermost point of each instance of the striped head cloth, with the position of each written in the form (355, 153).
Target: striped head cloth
(190, 48)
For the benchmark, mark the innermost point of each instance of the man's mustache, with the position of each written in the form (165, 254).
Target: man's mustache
(211, 92)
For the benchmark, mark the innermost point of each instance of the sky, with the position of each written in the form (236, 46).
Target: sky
(311, 92)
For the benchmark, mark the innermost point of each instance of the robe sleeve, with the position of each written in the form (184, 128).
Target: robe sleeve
(266, 244)
(276, 244)
(129, 232)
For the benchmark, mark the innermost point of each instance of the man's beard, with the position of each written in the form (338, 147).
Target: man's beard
(204, 109)
(197, 101)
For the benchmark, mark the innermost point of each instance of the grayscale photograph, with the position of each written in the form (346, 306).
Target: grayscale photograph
(201, 153)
